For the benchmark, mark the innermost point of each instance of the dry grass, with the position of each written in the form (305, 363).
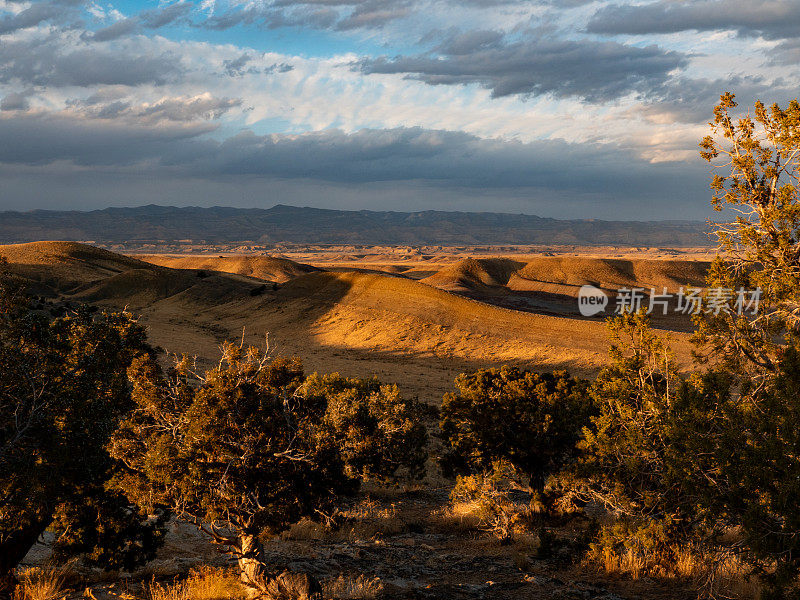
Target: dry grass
(202, 584)
(365, 520)
(352, 588)
(42, 583)
(719, 575)
(490, 500)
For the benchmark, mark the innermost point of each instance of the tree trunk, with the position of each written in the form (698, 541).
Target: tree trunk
(252, 570)
(286, 586)
(14, 548)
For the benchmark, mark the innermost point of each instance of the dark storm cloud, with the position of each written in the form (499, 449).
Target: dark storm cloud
(49, 62)
(394, 168)
(772, 19)
(595, 71)
(441, 158)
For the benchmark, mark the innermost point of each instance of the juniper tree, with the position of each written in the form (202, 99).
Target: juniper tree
(63, 390)
(756, 158)
(533, 420)
(246, 449)
(718, 450)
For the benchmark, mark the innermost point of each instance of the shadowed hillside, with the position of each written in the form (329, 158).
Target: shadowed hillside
(475, 274)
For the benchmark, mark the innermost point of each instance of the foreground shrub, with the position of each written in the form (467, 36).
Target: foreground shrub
(532, 420)
(683, 462)
(493, 499)
(378, 432)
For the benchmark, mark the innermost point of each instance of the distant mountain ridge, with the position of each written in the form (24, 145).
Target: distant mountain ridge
(292, 224)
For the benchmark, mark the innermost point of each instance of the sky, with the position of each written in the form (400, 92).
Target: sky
(559, 108)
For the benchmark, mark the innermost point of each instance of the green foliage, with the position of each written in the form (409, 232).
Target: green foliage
(684, 462)
(743, 463)
(108, 531)
(630, 439)
(533, 420)
(379, 433)
(752, 451)
(63, 390)
(761, 248)
(237, 447)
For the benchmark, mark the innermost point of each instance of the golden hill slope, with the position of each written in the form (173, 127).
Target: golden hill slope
(66, 264)
(89, 274)
(268, 268)
(614, 273)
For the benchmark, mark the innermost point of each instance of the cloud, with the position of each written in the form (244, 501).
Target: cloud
(237, 67)
(58, 62)
(316, 14)
(32, 16)
(181, 109)
(156, 18)
(406, 160)
(689, 100)
(595, 71)
(114, 31)
(150, 19)
(15, 101)
(112, 96)
(772, 19)
(40, 139)
(369, 155)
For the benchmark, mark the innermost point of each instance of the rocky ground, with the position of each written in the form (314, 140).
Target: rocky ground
(404, 546)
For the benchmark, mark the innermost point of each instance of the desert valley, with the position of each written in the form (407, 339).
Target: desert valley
(410, 316)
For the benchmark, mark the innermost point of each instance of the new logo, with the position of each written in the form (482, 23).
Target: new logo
(591, 300)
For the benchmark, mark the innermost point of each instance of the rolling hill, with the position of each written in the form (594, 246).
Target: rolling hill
(561, 275)
(269, 268)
